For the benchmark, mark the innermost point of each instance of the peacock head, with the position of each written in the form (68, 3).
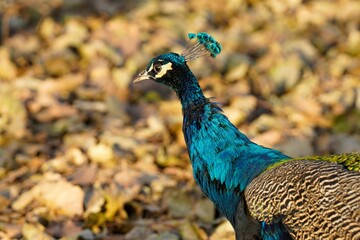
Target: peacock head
(166, 68)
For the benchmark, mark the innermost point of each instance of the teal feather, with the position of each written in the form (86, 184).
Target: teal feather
(204, 45)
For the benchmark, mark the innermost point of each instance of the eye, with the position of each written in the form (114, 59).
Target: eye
(157, 67)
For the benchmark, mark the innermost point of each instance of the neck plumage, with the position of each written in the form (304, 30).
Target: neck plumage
(224, 160)
(190, 93)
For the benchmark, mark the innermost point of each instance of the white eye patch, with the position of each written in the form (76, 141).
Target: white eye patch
(152, 65)
(164, 68)
(150, 68)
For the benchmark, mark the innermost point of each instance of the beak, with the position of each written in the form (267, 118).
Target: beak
(142, 76)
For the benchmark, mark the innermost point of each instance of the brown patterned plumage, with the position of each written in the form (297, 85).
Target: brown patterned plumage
(313, 199)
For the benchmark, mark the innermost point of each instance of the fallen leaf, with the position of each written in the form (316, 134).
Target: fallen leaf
(224, 231)
(35, 231)
(58, 196)
(102, 154)
(8, 70)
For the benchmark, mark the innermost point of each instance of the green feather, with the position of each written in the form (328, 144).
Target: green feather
(351, 161)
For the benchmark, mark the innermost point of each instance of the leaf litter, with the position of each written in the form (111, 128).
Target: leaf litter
(84, 154)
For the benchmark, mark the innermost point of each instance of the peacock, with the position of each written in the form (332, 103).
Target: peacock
(261, 191)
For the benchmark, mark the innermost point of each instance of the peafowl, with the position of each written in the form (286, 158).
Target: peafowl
(261, 191)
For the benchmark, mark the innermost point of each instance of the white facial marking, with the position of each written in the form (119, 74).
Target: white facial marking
(150, 68)
(164, 69)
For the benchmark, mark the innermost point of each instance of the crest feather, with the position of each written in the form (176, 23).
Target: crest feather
(200, 44)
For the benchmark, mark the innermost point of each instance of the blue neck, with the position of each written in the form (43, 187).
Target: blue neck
(224, 160)
(188, 89)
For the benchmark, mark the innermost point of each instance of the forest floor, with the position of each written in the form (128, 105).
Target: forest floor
(85, 154)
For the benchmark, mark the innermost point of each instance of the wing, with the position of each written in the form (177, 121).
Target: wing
(312, 199)
(246, 227)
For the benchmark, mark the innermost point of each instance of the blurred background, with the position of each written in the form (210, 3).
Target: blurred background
(84, 154)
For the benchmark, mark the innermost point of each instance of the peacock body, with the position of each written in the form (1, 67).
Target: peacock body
(262, 192)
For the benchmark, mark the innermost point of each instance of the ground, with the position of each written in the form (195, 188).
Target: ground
(85, 154)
